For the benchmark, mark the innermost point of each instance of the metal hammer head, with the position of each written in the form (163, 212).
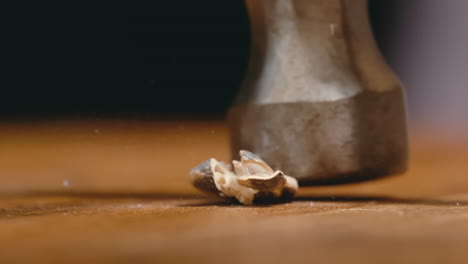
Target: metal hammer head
(318, 100)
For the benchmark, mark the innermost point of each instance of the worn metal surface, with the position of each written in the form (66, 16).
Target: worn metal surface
(318, 101)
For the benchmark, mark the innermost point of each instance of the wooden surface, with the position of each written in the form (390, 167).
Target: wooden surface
(116, 192)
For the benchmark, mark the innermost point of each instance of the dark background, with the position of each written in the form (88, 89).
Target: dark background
(158, 57)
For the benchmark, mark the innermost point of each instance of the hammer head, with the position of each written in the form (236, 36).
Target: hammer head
(318, 101)
(353, 139)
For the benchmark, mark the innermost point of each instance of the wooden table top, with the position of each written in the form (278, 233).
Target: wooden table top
(116, 192)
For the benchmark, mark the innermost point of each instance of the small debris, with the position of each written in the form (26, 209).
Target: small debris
(134, 206)
(66, 183)
(332, 29)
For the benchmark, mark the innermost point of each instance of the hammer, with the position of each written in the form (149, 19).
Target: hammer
(318, 100)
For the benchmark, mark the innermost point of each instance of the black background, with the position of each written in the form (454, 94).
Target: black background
(108, 57)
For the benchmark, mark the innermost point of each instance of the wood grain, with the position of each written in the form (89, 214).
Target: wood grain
(116, 192)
